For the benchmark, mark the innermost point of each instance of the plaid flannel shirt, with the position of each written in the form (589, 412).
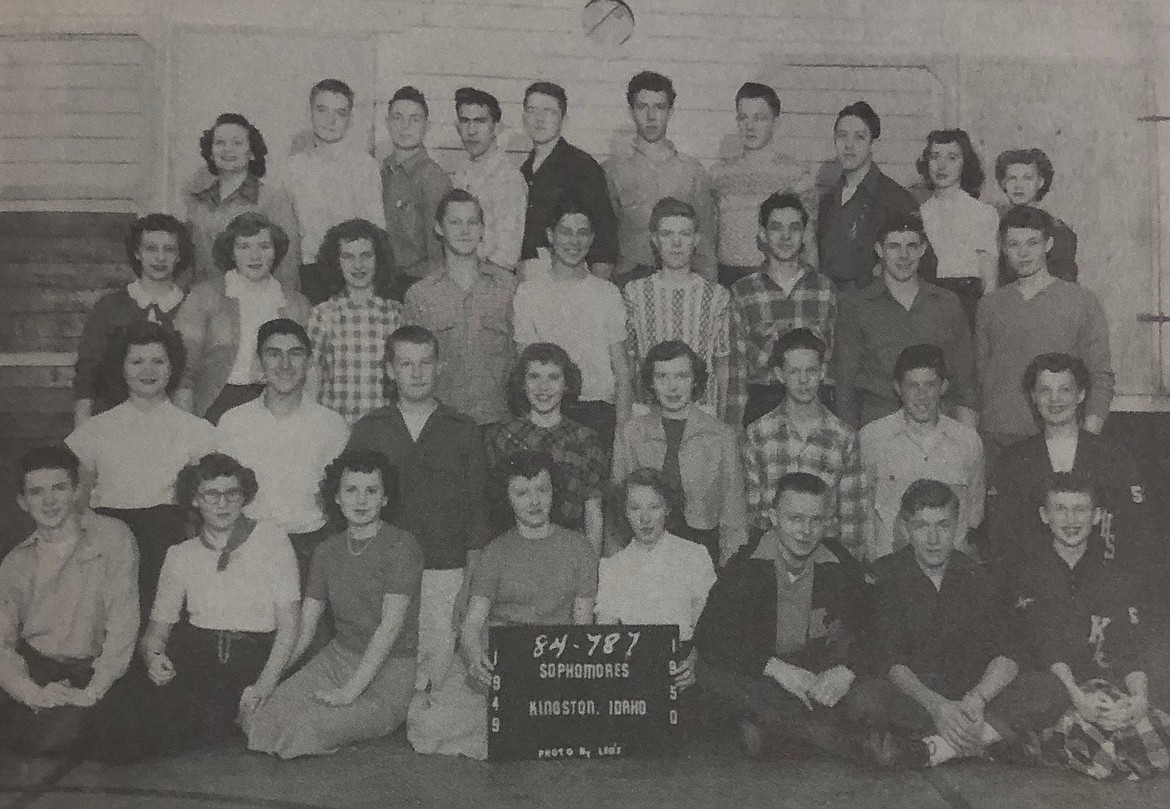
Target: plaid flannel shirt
(349, 345)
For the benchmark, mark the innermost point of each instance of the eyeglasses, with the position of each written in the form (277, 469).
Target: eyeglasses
(211, 497)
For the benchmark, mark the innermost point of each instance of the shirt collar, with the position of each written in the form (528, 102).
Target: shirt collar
(249, 191)
(85, 548)
(488, 160)
(236, 286)
(640, 149)
(145, 300)
(409, 163)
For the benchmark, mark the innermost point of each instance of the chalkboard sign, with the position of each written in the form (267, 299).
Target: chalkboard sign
(581, 692)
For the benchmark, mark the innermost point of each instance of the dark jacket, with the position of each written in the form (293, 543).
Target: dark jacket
(568, 169)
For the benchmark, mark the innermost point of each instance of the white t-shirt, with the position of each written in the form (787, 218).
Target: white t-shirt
(137, 454)
(667, 584)
(260, 576)
(583, 316)
(288, 455)
(959, 228)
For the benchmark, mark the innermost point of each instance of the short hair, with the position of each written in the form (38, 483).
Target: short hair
(564, 204)
(1026, 157)
(862, 110)
(671, 206)
(414, 335)
(409, 93)
(140, 333)
(209, 467)
(971, 177)
(547, 88)
(924, 493)
(358, 460)
(922, 355)
(159, 223)
(47, 456)
(332, 86)
(249, 223)
(792, 340)
(257, 165)
(801, 483)
(551, 354)
(651, 478)
(653, 82)
(351, 230)
(1057, 362)
(527, 464)
(457, 195)
(753, 89)
(900, 222)
(478, 98)
(671, 350)
(1070, 483)
(1026, 216)
(778, 202)
(282, 325)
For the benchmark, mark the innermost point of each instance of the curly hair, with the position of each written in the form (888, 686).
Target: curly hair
(358, 460)
(52, 456)
(552, 354)
(139, 333)
(672, 350)
(1026, 157)
(159, 223)
(210, 467)
(247, 224)
(619, 496)
(971, 177)
(257, 165)
(351, 230)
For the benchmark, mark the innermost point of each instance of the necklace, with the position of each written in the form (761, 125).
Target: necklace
(351, 543)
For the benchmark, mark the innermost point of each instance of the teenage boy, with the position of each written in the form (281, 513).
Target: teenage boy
(412, 186)
(785, 628)
(585, 316)
(919, 441)
(675, 303)
(801, 435)
(68, 610)
(898, 311)
(439, 456)
(333, 180)
(947, 647)
(466, 302)
(787, 293)
(556, 167)
(1058, 385)
(1036, 314)
(287, 439)
(856, 206)
(1025, 177)
(743, 182)
(654, 169)
(491, 177)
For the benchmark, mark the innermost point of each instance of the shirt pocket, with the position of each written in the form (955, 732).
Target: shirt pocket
(496, 334)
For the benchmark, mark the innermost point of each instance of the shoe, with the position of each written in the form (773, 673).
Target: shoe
(888, 751)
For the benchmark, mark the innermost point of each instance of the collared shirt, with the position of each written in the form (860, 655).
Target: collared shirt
(873, 329)
(474, 330)
(672, 306)
(847, 233)
(411, 192)
(585, 316)
(568, 169)
(796, 621)
(137, 454)
(773, 447)
(1010, 331)
(208, 215)
(441, 480)
(503, 193)
(947, 635)
(895, 455)
(288, 454)
(960, 227)
(637, 181)
(762, 313)
(87, 607)
(260, 578)
(580, 460)
(665, 584)
(741, 184)
(349, 346)
(331, 183)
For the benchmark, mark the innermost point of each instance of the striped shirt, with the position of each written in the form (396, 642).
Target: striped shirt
(349, 345)
(773, 447)
(669, 306)
(762, 313)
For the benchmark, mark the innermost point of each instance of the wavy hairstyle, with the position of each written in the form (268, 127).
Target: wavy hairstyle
(329, 255)
(139, 333)
(209, 467)
(358, 460)
(159, 223)
(552, 354)
(257, 166)
(971, 177)
(246, 224)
